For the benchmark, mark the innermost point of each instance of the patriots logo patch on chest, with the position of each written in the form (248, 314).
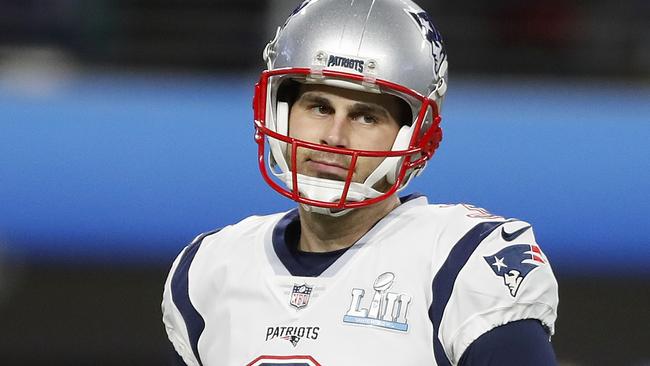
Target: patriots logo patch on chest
(386, 309)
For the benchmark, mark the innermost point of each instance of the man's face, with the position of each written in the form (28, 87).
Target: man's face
(343, 118)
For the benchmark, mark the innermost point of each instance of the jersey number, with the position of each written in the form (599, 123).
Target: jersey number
(284, 361)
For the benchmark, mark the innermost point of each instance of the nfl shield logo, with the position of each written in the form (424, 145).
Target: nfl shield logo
(300, 296)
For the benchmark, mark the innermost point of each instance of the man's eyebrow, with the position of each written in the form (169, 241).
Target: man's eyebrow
(314, 98)
(369, 108)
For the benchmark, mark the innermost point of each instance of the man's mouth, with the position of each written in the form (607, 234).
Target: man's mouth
(327, 169)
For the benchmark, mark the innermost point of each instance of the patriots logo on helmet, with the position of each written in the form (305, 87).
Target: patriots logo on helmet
(431, 34)
(514, 263)
(298, 9)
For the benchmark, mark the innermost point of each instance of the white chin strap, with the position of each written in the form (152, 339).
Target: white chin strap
(328, 190)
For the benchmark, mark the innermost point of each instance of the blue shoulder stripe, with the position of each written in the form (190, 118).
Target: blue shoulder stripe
(443, 282)
(180, 294)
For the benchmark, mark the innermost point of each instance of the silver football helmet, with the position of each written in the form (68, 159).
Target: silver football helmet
(376, 46)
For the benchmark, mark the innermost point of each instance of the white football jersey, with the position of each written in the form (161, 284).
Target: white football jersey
(417, 289)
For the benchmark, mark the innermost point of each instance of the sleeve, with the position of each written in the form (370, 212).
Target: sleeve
(523, 342)
(173, 320)
(502, 276)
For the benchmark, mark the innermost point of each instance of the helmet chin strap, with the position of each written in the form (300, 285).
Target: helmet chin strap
(328, 190)
(325, 210)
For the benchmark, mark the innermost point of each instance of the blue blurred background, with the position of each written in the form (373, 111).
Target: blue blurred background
(126, 129)
(127, 168)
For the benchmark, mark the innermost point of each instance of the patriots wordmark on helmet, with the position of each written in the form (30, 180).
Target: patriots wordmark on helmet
(349, 63)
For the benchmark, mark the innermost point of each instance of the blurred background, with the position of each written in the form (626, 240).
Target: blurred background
(126, 129)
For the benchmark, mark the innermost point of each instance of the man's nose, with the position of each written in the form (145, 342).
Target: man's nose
(336, 133)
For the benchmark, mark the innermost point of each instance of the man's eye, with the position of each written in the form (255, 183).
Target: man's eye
(367, 119)
(320, 109)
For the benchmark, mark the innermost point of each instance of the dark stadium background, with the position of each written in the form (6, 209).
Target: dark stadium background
(125, 130)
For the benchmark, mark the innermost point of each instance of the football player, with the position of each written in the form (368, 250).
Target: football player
(346, 114)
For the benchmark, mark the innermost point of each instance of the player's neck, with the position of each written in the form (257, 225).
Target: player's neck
(322, 233)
